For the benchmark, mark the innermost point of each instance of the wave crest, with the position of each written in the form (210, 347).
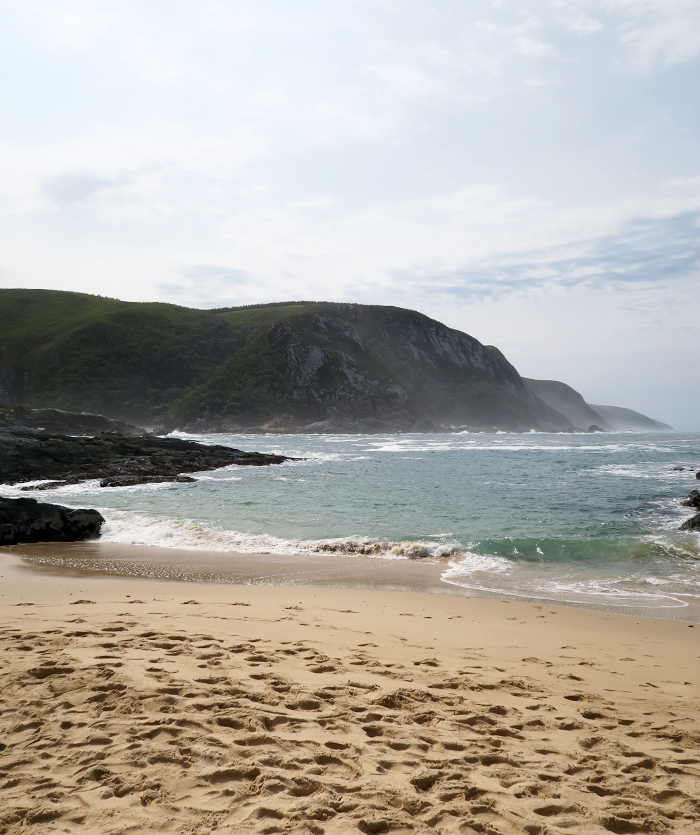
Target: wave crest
(163, 532)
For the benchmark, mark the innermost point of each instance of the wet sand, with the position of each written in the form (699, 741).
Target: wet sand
(143, 704)
(322, 570)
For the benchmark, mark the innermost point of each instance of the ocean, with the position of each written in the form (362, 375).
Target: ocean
(574, 519)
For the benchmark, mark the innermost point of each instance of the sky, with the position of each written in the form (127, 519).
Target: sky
(527, 171)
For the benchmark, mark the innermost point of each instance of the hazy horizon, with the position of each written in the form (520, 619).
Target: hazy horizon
(526, 172)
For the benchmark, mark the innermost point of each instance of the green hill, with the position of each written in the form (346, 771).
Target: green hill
(287, 366)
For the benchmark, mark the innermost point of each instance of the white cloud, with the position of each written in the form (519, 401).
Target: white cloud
(34, 177)
(659, 32)
(653, 33)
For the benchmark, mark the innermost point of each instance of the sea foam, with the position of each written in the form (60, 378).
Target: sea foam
(140, 529)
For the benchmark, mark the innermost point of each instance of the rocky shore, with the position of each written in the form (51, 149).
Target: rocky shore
(26, 520)
(117, 460)
(62, 448)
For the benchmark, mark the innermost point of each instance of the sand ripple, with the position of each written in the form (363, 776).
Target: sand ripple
(129, 723)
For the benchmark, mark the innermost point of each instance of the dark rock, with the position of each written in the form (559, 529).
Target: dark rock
(594, 428)
(132, 480)
(27, 520)
(697, 474)
(693, 499)
(692, 524)
(47, 485)
(29, 455)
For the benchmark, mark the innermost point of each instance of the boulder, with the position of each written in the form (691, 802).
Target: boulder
(27, 520)
(693, 499)
(692, 524)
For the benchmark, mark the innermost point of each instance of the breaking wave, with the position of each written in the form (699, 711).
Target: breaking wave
(138, 529)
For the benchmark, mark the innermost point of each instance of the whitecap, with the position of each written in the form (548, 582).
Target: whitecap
(165, 532)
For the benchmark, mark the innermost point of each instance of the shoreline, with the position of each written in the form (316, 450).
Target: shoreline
(145, 704)
(110, 560)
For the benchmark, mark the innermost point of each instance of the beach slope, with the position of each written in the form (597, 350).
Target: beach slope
(140, 706)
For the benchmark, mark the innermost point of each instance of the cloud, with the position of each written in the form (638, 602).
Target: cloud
(644, 252)
(659, 32)
(654, 34)
(67, 189)
(126, 169)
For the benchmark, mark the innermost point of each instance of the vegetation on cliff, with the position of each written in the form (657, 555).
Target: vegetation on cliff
(291, 365)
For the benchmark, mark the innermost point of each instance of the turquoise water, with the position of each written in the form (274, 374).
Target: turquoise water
(588, 520)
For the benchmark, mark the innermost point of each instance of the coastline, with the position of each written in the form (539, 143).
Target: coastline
(143, 704)
(111, 560)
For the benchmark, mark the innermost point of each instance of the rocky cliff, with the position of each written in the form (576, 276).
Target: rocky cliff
(289, 367)
(361, 368)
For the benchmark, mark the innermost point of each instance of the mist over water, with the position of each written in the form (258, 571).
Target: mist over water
(587, 520)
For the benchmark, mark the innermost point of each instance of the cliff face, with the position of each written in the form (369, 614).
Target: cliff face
(361, 368)
(321, 366)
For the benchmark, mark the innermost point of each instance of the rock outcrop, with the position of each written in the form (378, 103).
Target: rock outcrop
(693, 499)
(117, 460)
(27, 520)
(692, 524)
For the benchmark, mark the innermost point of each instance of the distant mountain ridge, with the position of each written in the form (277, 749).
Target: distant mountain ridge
(288, 366)
(567, 401)
(570, 403)
(627, 420)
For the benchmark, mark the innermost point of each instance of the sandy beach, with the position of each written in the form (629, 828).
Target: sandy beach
(155, 705)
